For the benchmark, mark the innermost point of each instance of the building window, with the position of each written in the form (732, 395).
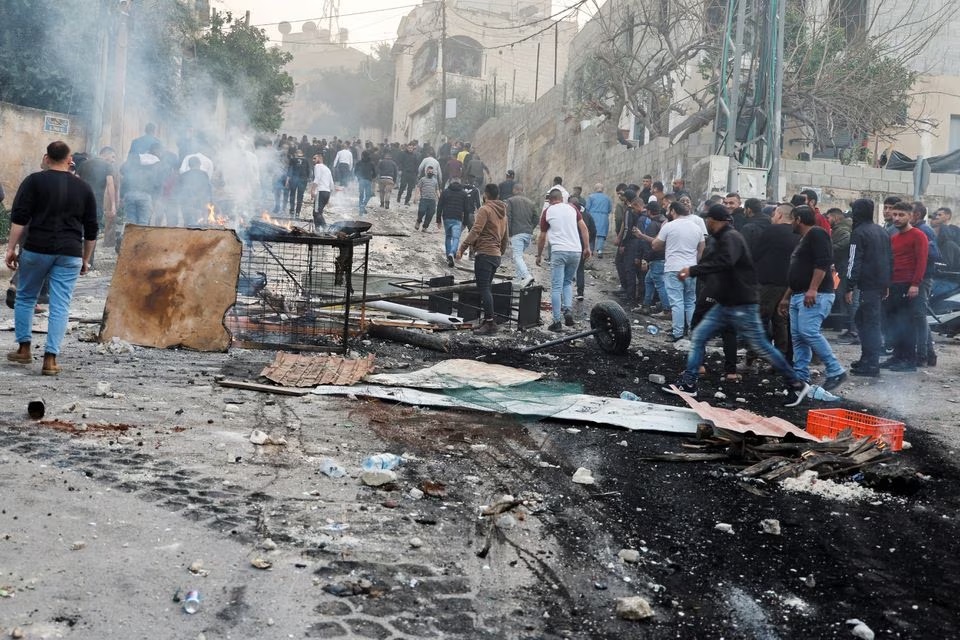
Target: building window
(424, 63)
(464, 56)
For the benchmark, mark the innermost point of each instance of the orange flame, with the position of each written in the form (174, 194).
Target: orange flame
(213, 218)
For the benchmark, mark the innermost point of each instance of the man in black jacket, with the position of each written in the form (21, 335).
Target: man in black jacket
(408, 163)
(869, 271)
(771, 252)
(453, 207)
(729, 278)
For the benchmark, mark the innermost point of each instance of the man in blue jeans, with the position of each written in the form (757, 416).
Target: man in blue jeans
(562, 225)
(452, 209)
(62, 214)
(728, 278)
(653, 258)
(809, 298)
(682, 241)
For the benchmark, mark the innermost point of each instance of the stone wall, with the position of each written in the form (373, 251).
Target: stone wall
(24, 143)
(840, 184)
(539, 142)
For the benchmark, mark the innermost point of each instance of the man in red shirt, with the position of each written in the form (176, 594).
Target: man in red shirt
(910, 246)
(822, 222)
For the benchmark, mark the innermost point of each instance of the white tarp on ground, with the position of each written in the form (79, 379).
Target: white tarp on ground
(577, 407)
(457, 374)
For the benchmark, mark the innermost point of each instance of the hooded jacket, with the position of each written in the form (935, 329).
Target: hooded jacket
(453, 203)
(488, 236)
(871, 256)
(727, 269)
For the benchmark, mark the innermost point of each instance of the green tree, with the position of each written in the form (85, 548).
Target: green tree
(233, 59)
(356, 97)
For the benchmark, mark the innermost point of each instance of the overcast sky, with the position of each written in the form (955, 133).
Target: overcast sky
(377, 23)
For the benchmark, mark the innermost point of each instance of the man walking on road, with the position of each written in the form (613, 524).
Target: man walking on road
(569, 241)
(429, 188)
(489, 239)
(729, 278)
(910, 247)
(809, 298)
(61, 211)
(523, 216)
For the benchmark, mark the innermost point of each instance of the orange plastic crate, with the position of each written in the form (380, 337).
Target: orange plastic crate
(828, 423)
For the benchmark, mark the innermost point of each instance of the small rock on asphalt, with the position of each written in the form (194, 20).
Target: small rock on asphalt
(416, 543)
(79, 544)
(771, 526)
(634, 608)
(415, 493)
(657, 378)
(629, 555)
(583, 476)
(860, 629)
(16, 633)
(260, 563)
(268, 545)
(724, 527)
(379, 477)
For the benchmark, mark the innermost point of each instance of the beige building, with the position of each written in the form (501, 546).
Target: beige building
(509, 51)
(315, 50)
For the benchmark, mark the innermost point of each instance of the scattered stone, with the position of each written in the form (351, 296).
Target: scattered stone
(506, 521)
(720, 395)
(740, 399)
(472, 479)
(196, 568)
(330, 468)
(16, 633)
(810, 581)
(259, 437)
(583, 476)
(379, 477)
(416, 543)
(415, 494)
(232, 408)
(724, 527)
(103, 390)
(631, 556)
(260, 563)
(600, 586)
(268, 544)
(572, 430)
(478, 447)
(622, 443)
(390, 504)
(78, 545)
(771, 526)
(634, 608)
(434, 489)
(906, 445)
(657, 378)
(860, 629)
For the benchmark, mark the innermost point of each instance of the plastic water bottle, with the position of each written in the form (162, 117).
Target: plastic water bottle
(627, 395)
(653, 329)
(191, 604)
(819, 393)
(380, 461)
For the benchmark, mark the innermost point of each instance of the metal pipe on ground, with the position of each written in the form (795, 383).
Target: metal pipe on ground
(413, 312)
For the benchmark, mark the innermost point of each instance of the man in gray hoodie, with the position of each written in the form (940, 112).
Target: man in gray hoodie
(523, 217)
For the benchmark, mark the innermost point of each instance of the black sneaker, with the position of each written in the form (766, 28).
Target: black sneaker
(797, 393)
(450, 261)
(866, 372)
(556, 327)
(679, 387)
(832, 382)
(931, 356)
(568, 318)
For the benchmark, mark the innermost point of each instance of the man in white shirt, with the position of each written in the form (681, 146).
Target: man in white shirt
(682, 241)
(569, 240)
(344, 165)
(323, 183)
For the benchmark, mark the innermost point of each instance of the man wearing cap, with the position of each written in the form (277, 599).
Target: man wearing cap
(869, 270)
(506, 187)
(429, 188)
(729, 278)
(809, 298)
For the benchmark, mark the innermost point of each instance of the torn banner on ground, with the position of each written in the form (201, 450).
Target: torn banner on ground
(296, 370)
(457, 374)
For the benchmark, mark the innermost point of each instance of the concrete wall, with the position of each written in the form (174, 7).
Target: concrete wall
(24, 143)
(540, 142)
(840, 184)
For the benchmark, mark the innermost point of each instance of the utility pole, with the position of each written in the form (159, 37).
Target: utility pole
(443, 69)
(494, 94)
(536, 75)
(556, 49)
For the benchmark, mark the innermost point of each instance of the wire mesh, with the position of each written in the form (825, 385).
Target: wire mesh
(295, 290)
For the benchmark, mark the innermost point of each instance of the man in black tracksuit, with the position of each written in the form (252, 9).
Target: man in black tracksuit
(409, 164)
(730, 280)
(870, 270)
